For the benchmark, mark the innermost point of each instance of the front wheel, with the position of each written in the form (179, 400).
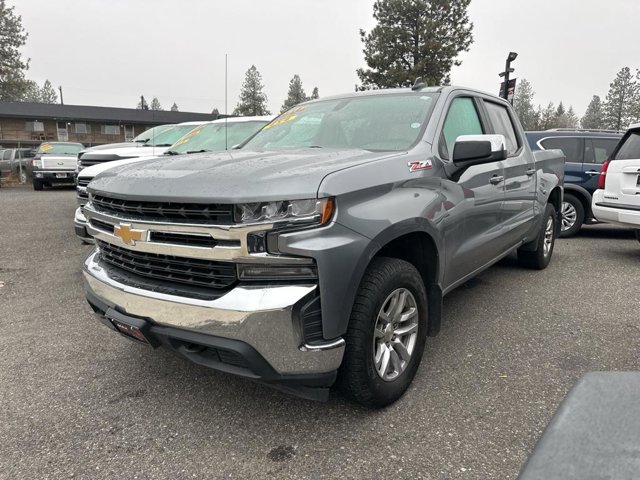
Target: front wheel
(540, 256)
(37, 184)
(386, 335)
(638, 235)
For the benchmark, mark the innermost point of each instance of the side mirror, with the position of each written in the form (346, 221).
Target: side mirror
(477, 149)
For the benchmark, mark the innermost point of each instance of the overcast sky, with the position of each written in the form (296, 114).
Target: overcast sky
(109, 52)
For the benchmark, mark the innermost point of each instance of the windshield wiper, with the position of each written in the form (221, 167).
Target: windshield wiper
(171, 152)
(160, 145)
(196, 151)
(314, 146)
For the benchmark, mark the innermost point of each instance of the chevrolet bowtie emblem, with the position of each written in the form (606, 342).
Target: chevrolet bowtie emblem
(128, 234)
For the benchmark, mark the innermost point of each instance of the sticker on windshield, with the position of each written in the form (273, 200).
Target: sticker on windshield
(46, 147)
(281, 121)
(418, 166)
(188, 136)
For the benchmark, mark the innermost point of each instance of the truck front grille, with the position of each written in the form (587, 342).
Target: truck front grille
(83, 182)
(188, 271)
(219, 214)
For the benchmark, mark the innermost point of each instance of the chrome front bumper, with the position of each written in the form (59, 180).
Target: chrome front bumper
(262, 317)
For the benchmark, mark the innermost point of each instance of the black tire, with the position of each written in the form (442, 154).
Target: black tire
(358, 376)
(575, 206)
(539, 257)
(638, 235)
(37, 184)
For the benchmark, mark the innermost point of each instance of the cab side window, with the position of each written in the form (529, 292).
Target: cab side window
(462, 119)
(502, 125)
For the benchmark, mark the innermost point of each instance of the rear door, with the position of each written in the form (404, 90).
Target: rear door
(622, 185)
(596, 151)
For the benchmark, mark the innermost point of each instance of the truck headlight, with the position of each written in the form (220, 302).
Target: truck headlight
(297, 212)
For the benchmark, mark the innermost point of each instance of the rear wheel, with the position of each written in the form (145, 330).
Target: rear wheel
(540, 257)
(37, 184)
(572, 216)
(386, 335)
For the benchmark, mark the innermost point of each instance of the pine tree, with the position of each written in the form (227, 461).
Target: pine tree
(253, 101)
(571, 120)
(547, 117)
(414, 38)
(142, 104)
(621, 101)
(32, 93)
(296, 94)
(174, 107)
(155, 104)
(48, 93)
(215, 112)
(593, 116)
(315, 94)
(523, 105)
(13, 85)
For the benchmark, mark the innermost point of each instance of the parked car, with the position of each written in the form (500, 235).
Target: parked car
(55, 164)
(585, 151)
(153, 142)
(208, 137)
(617, 199)
(324, 245)
(16, 161)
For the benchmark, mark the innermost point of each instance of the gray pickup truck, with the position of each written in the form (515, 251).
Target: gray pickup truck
(321, 249)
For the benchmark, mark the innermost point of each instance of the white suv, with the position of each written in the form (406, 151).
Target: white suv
(617, 199)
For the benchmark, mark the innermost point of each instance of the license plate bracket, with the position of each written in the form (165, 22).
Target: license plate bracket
(135, 329)
(61, 175)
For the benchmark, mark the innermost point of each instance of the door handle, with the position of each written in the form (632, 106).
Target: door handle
(591, 173)
(531, 171)
(496, 179)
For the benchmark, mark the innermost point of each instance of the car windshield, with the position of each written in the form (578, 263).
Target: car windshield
(389, 122)
(169, 136)
(145, 136)
(216, 136)
(60, 148)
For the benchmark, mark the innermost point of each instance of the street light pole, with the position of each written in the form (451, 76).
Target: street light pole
(507, 71)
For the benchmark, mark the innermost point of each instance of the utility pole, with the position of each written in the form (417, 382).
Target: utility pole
(61, 100)
(507, 71)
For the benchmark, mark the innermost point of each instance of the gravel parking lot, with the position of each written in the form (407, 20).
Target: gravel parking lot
(78, 401)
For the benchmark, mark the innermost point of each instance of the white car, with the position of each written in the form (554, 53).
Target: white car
(152, 142)
(617, 199)
(222, 134)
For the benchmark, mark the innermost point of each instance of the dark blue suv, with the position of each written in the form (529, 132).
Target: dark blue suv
(586, 151)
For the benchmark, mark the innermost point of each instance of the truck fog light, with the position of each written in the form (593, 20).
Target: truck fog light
(277, 272)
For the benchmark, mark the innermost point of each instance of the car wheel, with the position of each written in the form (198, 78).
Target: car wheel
(37, 184)
(638, 235)
(572, 216)
(540, 257)
(386, 335)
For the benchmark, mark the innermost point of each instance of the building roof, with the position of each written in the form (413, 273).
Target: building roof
(55, 111)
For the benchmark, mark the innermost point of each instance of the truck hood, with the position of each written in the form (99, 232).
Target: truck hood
(128, 150)
(229, 177)
(93, 170)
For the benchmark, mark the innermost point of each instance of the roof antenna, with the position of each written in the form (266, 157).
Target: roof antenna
(419, 84)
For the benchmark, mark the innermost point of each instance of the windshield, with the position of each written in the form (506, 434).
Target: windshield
(60, 148)
(148, 134)
(170, 136)
(211, 136)
(392, 122)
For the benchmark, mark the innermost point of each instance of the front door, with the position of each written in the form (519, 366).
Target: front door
(63, 132)
(477, 196)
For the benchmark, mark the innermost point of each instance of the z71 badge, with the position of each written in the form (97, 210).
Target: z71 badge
(417, 166)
